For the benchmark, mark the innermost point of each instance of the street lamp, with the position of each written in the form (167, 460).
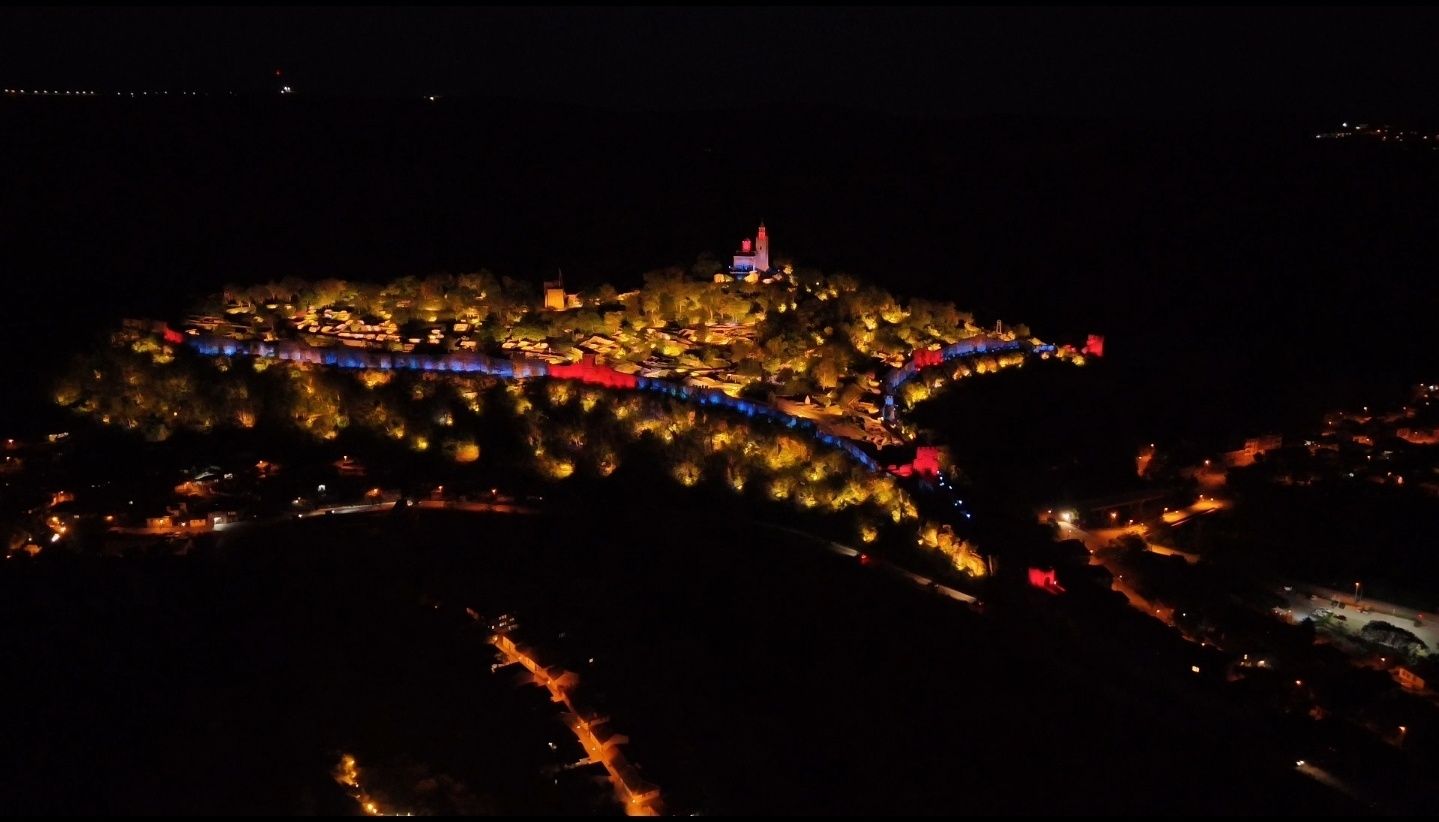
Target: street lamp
(1356, 593)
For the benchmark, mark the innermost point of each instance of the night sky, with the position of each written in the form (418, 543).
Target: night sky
(1148, 174)
(953, 63)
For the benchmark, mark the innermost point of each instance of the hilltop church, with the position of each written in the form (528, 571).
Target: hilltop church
(753, 255)
(752, 260)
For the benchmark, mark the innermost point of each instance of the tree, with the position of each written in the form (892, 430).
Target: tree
(810, 278)
(913, 392)
(588, 321)
(531, 329)
(606, 294)
(706, 266)
(1393, 636)
(326, 292)
(1130, 544)
(826, 371)
(844, 283)
(434, 287)
(479, 285)
(849, 395)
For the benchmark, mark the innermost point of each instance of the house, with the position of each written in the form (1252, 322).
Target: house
(1418, 436)
(596, 728)
(1409, 680)
(1253, 447)
(639, 795)
(556, 298)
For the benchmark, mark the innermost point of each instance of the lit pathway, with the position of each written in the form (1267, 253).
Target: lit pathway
(1096, 541)
(638, 797)
(353, 508)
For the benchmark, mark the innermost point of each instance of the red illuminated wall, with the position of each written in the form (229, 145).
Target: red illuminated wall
(1094, 346)
(172, 336)
(1045, 580)
(925, 464)
(924, 358)
(587, 371)
(926, 461)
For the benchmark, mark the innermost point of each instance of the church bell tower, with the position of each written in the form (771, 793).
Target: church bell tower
(761, 250)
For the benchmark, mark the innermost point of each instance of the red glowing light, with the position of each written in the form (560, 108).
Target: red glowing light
(746, 245)
(587, 371)
(926, 461)
(924, 358)
(925, 464)
(172, 336)
(1094, 346)
(1045, 580)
